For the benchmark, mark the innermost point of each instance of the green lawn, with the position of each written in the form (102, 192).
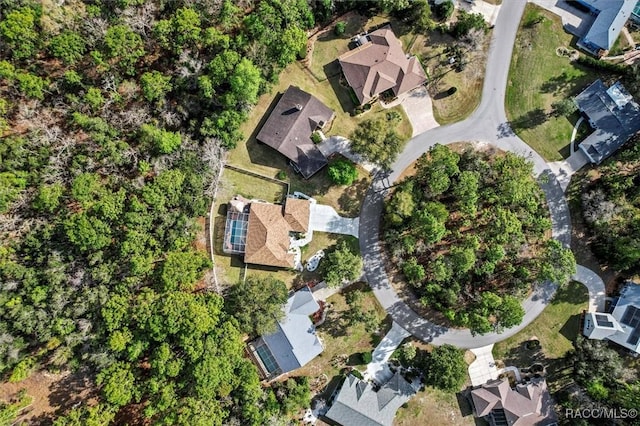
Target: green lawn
(432, 407)
(537, 78)
(555, 328)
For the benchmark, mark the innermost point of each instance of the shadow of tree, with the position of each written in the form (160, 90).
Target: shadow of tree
(530, 120)
(349, 201)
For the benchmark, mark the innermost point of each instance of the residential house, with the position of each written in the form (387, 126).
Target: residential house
(379, 64)
(622, 324)
(527, 404)
(290, 125)
(611, 15)
(359, 404)
(613, 114)
(294, 343)
(262, 231)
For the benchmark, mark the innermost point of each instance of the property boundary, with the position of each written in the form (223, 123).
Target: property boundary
(259, 176)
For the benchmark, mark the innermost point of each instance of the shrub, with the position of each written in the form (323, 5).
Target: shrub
(282, 175)
(22, 370)
(367, 357)
(599, 65)
(339, 28)
(316, 137)
(342, 172)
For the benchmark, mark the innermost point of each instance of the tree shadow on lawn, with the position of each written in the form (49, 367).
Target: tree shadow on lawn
(531, 119)
(561, 83)
(351, 199)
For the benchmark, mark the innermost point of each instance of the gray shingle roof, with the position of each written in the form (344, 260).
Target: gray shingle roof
(613, 114)
(607, 26)
(289, 127)
(357, 404)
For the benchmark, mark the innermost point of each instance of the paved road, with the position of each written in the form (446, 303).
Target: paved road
(488, 124)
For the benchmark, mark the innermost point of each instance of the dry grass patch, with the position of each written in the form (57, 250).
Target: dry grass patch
(430, 49)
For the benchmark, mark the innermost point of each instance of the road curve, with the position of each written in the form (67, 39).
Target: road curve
(488, 124)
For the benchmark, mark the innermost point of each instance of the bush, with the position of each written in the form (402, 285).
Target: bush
(367, 357)
(342, 172)
(316, 137)
(339, 28)
(281, 175)
(22, 370)
(444, 10)
(599, 65)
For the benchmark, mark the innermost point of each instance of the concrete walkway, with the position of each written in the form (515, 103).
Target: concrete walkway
(324, 218)
(483, 368)
(595, 285)
(378, 369)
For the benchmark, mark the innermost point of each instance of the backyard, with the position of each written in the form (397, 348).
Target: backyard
(556, 329)
(538, 77)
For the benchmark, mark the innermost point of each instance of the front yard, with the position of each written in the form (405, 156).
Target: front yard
(556, 329)
(538, 77)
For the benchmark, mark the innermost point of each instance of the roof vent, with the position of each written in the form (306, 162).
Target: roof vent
(299, 107)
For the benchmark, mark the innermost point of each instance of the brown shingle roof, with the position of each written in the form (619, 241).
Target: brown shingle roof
(380, 65)
(288, 129)
(268, 231)
(527, 405)
(267, 236)
(296, 213)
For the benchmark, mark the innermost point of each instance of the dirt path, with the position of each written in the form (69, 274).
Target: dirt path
(51, 393)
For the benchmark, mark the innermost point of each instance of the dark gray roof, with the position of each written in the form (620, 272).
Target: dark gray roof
(612, 16)
(614, 115)
(288, 129)
(357, 404)
(295, 343)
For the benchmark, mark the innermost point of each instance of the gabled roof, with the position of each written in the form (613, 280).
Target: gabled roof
(627, 313)
(380, 64)
(613, 113)
(295, 343)
(290, 125)
(612, 16)
(526, 405)
(268, 228)
(297, 212)
(357, 404)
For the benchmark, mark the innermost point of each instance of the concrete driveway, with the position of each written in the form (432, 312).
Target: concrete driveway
(419, 108)
(378, 369)
(488, 10)
(595, 285)
(325, 219)
(566, 168)
(483, 368)
(574, 21)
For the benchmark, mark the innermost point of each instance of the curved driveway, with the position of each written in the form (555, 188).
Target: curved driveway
(487, 124)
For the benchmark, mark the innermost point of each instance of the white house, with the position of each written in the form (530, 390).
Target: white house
(622, 325)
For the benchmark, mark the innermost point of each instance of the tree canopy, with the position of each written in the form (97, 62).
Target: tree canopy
(340, 265)
(468, 232)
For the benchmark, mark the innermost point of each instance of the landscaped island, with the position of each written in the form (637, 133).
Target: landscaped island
(470, 232)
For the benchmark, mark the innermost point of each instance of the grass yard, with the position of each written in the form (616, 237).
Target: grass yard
(431, 51)
(555, 328)
(537, 78)
(344, 340)
(432, 407)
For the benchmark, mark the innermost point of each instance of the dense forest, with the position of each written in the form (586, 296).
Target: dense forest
(611, 208)
(114, 117)
(470, 232)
